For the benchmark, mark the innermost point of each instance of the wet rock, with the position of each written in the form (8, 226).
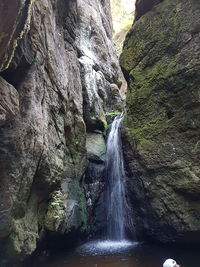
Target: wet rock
(94, 179)
(96, 149)
(95, 145)
(162, 127)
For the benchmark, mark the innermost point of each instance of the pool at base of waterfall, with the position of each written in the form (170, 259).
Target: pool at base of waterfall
(103, 247)
(124, 253)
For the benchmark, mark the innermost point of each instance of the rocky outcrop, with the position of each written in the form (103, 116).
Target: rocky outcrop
(162, 127)
(58, 71)
(143, 6)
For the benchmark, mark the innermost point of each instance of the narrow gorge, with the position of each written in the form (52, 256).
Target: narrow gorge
(64, 79)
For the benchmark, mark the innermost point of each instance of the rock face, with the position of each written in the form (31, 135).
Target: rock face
(94, 180)
(9, 101)
(58, 71)
(11, 29)
(143, 6)
(162, 125)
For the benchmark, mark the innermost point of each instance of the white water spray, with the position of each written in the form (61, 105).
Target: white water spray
(117, 208)
(116, 203)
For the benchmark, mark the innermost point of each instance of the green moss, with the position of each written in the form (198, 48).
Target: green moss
(145, 143)
(138, 136)
(54, 215)
(10, 57)
(24, 235)
(153, 37)
(145, 134)
(116, 112)
(76, 193)
(54, 204)
(157, 77)
(2, 36)
(161, 122)
(105, 125)
(149, 58)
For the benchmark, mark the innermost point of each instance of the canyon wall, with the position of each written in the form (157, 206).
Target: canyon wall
(59, 76)
(160, 61)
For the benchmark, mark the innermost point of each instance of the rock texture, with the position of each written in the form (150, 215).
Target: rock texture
(143, 6)
(94, 179)
(9, 101)
(15, 16)
(162, 125)
(58, 71)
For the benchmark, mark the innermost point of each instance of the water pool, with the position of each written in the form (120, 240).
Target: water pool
(120, 254)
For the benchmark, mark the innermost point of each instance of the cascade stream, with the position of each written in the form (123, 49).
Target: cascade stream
(116, 204)
(115, 199)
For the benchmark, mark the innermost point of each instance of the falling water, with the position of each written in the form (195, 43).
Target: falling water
(117, 208)
(116, 202)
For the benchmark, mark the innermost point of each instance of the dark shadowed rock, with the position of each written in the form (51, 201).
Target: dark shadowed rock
(9, 101)
(14, 15)
(143, 6)
(94, 178)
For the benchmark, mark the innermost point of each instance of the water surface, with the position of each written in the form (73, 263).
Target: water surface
(120, 254)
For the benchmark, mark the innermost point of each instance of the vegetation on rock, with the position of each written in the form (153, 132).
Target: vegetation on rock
(161, 127)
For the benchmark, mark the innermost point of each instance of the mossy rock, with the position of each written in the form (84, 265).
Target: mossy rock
(161, 127)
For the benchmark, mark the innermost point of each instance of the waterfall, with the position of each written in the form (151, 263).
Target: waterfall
(117, 210)
(115, 198)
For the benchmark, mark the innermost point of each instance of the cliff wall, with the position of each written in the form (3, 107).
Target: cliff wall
(59, 76)
(160, 61)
